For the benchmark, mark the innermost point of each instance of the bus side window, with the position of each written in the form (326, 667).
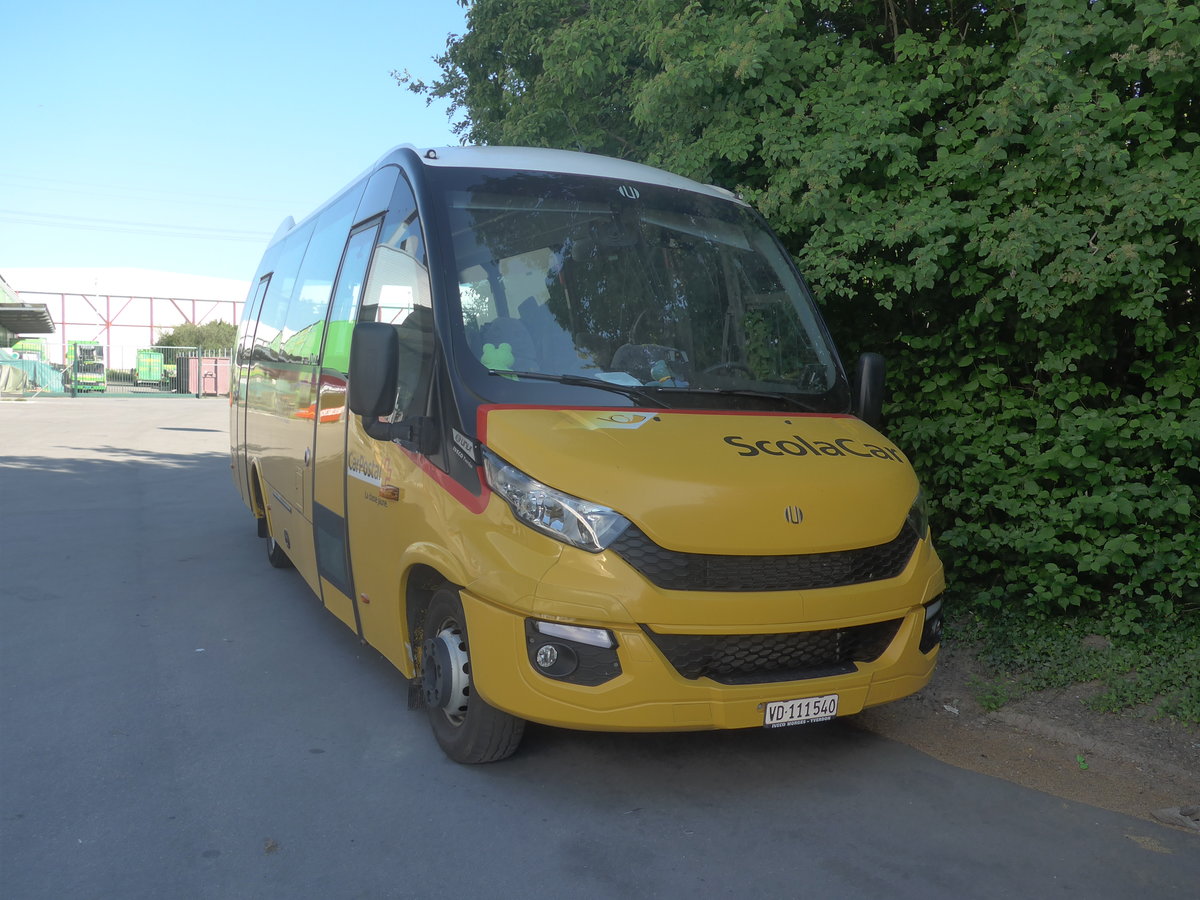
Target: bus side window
(398, 293)
(314, 284)
(269, 336)
(250, 321)
(343, 312)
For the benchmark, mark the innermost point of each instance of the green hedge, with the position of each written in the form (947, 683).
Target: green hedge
(1063, 497)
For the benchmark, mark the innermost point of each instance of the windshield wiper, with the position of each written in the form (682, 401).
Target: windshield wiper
(790, 399)
(630, 391)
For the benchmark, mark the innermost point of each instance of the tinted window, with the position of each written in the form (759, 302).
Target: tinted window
(679, 293)
(303, 325)
(398, 292)
(269, 335)
(249, 321)
(344, 310)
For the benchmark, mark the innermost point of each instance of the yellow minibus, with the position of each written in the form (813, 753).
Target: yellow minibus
(565, 438)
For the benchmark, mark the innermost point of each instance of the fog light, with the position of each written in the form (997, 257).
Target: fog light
(574, 653)
(556, 660)
(931, 634)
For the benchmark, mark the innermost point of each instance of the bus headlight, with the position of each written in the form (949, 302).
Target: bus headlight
(571, 520)
(918, 516)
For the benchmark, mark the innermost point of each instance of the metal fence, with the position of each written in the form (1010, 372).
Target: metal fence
(96, 370)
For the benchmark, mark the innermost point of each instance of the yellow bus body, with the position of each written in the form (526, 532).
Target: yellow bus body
(375, 526)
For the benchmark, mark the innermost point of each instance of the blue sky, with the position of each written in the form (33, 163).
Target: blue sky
(178, 136)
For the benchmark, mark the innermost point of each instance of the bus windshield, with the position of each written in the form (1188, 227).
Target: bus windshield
(651, 290)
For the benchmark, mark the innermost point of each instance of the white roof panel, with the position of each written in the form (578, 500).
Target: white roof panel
(539, 159)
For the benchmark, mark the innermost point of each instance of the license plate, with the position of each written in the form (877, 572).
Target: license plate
(804, 711)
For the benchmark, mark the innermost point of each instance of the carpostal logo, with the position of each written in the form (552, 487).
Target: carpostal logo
(798, 446)
(364, 469)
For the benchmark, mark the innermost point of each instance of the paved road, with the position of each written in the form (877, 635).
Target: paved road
(179, 720)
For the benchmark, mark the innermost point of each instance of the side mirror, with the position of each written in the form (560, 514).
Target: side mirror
(374, 362)
(868, 389)
(377, 354)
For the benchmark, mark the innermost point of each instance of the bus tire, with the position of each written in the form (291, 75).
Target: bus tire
(467, 728)
(276, 555)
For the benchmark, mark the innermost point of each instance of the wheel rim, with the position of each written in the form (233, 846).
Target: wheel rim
(446, 673)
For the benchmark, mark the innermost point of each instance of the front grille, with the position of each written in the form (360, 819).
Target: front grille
(761, 658)
(676, 571)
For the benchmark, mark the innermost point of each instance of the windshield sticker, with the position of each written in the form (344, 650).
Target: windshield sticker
(798, 446)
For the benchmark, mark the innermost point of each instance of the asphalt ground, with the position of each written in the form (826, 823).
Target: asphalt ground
(177, 719)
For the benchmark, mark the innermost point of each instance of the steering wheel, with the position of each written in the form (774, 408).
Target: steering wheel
(727, 366)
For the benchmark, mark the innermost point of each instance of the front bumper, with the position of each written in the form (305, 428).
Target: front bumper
(650, 695)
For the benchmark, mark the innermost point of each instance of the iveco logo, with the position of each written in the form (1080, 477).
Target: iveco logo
(794, 515)
(629, 192)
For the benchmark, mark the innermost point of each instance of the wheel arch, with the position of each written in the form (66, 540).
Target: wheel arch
(258, 504)
(422, 583)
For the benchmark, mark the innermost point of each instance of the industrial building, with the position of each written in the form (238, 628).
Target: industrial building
(46, 315)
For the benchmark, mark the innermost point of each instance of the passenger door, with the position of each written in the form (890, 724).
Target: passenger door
(241, 383)
(331, 415)
(388, 503)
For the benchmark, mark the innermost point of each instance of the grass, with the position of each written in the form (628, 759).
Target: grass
(1159, 668)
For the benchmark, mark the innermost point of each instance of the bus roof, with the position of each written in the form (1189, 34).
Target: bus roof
(540, 159)
(526, 159)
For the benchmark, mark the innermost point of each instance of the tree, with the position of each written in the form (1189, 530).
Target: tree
(1003, 200)
(547, 73)
(212, 337)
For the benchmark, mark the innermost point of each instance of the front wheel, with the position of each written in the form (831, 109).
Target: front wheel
(467, 728)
